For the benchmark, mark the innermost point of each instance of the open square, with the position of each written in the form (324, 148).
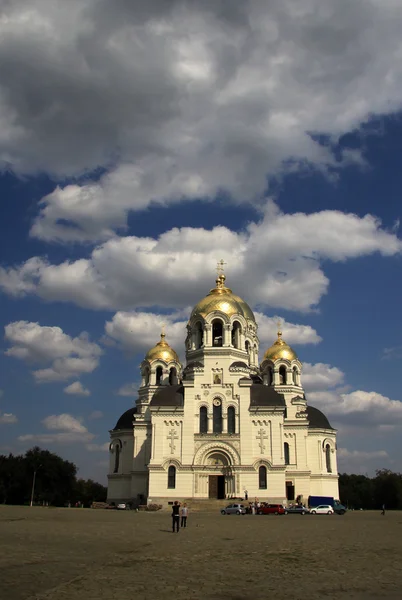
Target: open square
(80, 554)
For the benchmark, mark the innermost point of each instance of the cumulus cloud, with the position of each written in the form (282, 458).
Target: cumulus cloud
(362, 461)
(98, 447)
(8, 418)
(65, 429)
(76, 388)
(319, 377)
(139, 331)
(217, 98)
(68, 357)
(128, 389)
(95, 414)
(276, 262)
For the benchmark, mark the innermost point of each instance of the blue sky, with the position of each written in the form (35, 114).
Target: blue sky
(154, 140)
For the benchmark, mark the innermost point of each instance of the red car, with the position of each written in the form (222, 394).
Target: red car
(272, 509)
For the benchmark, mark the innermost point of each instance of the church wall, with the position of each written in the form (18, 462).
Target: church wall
(119, 488)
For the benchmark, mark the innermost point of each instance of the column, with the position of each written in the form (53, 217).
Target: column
(227, 331)
(225, 422)
(210, 422)
(276, 377)
(207, 335)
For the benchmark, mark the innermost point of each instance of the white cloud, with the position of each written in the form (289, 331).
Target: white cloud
(67, 429)
(362, 461)
(76, 388)
(128, 389)
(276, 262)
(8, 418)
(320, 377)
(345, 454)
(139, 331)
(218, 97)
(68, 357)
(64, 422)
(95, 414)
(98, 447)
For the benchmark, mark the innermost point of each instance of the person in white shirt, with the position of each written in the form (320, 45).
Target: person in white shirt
(184, 515)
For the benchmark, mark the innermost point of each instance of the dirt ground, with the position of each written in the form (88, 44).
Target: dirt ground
(83, 554)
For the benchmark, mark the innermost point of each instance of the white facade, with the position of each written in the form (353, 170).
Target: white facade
(223, 424)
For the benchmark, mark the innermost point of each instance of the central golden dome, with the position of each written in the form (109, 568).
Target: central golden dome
(162, 351)
(280, 349)
(222, 298)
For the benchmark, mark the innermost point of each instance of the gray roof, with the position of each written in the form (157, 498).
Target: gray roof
(238, 364)
(126, 419)
(194, 365)
(265, 395)
(169, 395)
(317, 419)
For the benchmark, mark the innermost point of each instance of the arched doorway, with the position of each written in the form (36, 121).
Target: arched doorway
(220, 480)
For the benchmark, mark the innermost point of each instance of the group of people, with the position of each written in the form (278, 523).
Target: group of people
(179, 516)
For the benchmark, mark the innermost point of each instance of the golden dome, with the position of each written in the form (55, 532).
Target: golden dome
(280, 349)
(162, 351)
(223, 299)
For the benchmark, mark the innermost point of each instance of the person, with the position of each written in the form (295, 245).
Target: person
(245, 494)
(184, 515)
(176, 516)
(383, 510)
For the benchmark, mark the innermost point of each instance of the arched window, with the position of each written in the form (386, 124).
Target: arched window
(172, 376)
(159, 374)
(248, 347)
(203, 419)
(328, 458)
(217, 333)
(236, 330)
(268, 376)
(199, 335)
(231, 420)
(146, 376)
(294, 376)
(282, 375)
(217, 416)
(171, 477)
(262, 477)
(116, 458)
(286, 453)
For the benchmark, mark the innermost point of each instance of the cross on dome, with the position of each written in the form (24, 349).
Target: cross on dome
(220, 267)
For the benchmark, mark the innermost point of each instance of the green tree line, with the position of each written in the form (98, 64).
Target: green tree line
(54, 481)
(361, 491)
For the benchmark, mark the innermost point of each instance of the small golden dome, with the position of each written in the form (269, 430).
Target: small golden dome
(280, 349)
(162, 351)
(222, 298)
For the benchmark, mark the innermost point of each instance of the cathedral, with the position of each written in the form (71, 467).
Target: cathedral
(225, 423)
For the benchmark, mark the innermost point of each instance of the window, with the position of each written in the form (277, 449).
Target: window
(269, 376)
(159, 374)
(116, 458)
(217, 333)
(236, 329)
(146, 376)
(262, 477)
(294, 376)
(203, 419)
(231, 420)
(217, 416)
(282, 375)
(172, 376)
(171, 477)
(286, 453)
(328, 458)
(199, 335)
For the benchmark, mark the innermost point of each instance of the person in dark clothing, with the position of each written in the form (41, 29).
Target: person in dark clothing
(176, 516)
(383, 510)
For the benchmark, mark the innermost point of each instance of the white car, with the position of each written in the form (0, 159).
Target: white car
(322, 509)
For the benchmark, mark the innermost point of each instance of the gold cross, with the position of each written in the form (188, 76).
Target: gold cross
(220, 266)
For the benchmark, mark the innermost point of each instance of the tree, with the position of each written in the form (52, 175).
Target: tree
(387, 489)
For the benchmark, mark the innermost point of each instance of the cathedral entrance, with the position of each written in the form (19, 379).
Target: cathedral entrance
(216, 487)
(290, 490)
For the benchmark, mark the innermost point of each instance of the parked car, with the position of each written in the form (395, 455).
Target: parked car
(123, 506)
(272, 509)
(234, 509)
(297, 510)
(322, 509)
